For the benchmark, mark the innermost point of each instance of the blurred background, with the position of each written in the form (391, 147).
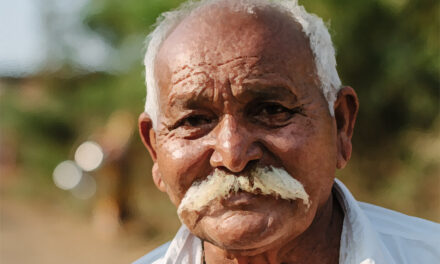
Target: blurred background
(75, 179)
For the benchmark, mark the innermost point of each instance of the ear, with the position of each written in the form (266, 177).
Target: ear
(148, 136)
(346, 108)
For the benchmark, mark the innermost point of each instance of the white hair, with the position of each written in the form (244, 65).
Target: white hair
(312, 26)
(272, 181)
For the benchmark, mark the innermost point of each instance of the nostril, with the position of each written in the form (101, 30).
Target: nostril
(251, 165)
(226, 170)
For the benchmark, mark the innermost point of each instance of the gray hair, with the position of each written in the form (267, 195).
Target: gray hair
(312, 26)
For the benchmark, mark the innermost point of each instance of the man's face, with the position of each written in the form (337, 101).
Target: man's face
(239, 91)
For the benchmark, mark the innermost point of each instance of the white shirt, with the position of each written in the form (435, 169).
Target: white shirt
(370, 235)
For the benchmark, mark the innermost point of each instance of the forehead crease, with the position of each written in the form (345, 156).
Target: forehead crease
(239, 60)
(189, 75)
(189, 92)
(188, 82)
(204, 66)
(194, 79)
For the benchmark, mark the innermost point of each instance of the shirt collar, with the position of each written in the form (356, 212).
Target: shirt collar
(360, 243)
(184, 249)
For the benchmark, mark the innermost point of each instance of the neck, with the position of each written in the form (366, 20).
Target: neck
(318, 244)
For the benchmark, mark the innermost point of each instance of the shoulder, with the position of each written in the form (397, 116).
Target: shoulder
(410, 236)
(154, 255)
(397, 224)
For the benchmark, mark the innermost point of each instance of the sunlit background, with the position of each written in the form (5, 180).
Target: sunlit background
(75, 180)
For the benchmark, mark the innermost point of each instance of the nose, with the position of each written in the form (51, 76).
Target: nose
(235, 146)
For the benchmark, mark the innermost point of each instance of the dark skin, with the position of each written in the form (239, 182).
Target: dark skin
(239, 90)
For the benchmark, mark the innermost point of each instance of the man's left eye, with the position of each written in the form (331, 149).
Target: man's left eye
(272, 114)
(273, 109)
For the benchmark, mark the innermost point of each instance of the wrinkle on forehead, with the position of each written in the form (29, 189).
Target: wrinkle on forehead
(188, 71)
(189, 82)
(253, 79)
(202, 56)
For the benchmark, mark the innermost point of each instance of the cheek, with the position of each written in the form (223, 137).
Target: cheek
(180, 163)
(307, 150)
(300, 143)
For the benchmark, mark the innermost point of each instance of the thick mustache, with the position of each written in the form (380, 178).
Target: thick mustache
(267, 181)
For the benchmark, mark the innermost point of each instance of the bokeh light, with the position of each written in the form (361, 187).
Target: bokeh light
(86, 188)
(89, 156)
(67, 175)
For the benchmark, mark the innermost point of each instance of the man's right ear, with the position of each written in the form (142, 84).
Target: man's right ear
(148, 136)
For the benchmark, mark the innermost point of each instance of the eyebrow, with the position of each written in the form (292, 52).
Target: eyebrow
(190, 97)
(187, 98)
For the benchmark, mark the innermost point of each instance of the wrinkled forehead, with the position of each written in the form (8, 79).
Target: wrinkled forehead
(218, 34)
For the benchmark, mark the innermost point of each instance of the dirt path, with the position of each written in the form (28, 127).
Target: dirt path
(33, 233)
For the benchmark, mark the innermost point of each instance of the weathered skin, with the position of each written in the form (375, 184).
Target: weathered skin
(240, 90)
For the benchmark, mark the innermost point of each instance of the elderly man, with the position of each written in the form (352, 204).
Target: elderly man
(246, 121)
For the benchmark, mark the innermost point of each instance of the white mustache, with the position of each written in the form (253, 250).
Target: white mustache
(267, 181)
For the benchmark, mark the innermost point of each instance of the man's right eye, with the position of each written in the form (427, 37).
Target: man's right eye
(195, 121)
(195, 126)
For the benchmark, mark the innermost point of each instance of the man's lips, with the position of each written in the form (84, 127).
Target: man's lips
(239, 200)
(234, 204)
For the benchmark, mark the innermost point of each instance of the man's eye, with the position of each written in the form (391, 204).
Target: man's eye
(195, 121)
(273, 109)
(272, 114)
(194, 126)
